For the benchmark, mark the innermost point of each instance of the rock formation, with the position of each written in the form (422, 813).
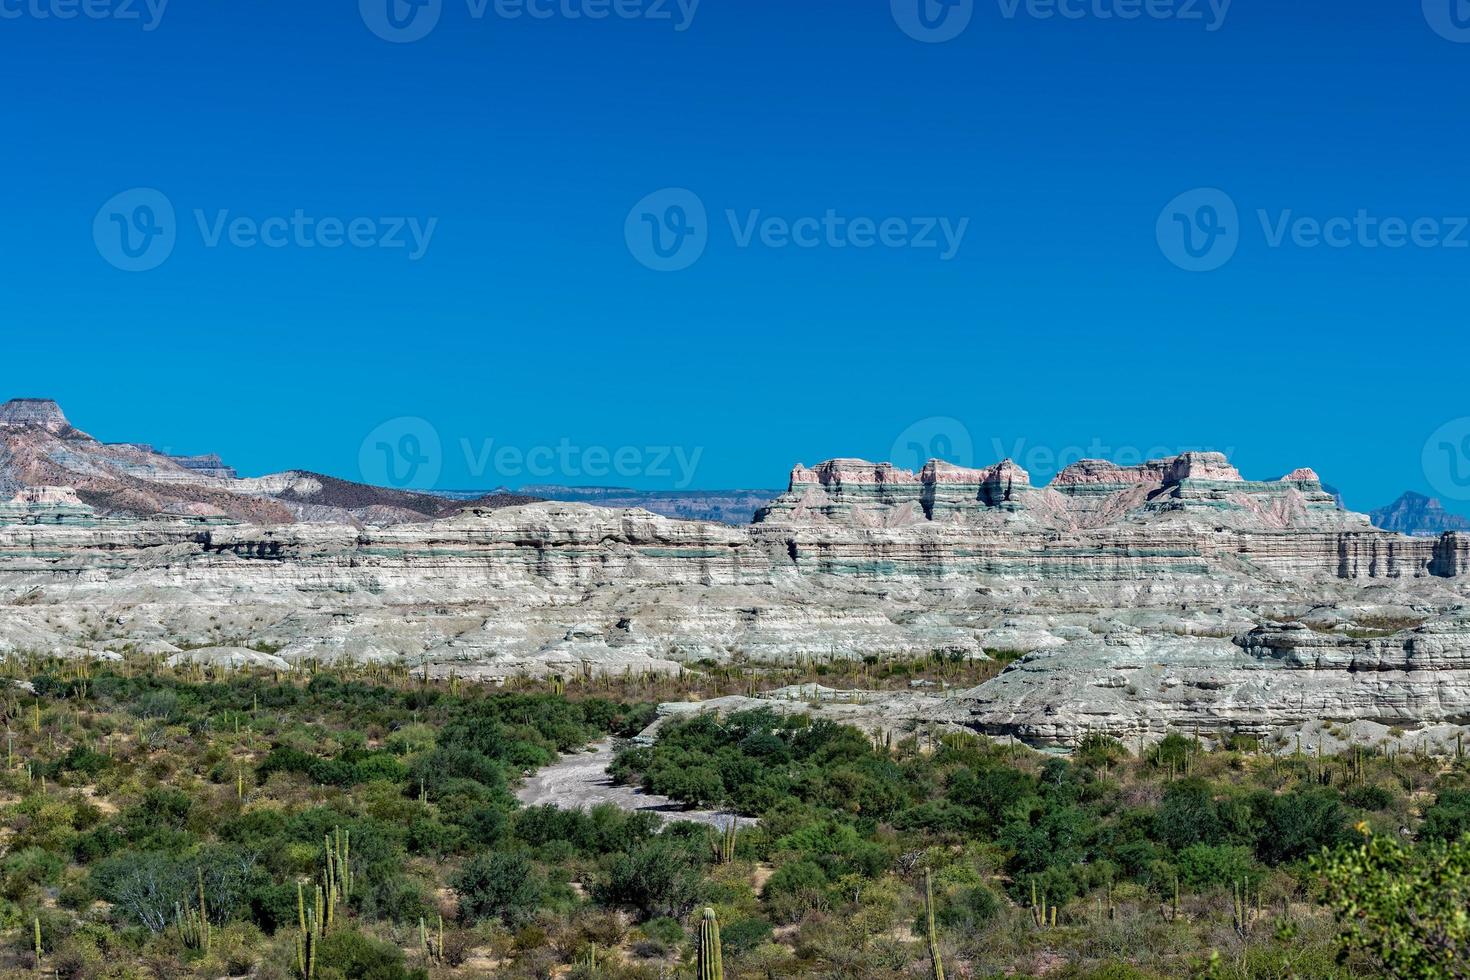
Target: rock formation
(1131, 599)
(40, 448)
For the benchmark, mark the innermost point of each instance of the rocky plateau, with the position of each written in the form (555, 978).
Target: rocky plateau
(1129, 600)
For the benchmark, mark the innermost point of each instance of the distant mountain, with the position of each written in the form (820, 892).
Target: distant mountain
(44, 459)
(1421, 516)
(720, 506)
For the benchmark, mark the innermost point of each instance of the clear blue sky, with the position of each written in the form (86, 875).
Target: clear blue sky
(1059, 324)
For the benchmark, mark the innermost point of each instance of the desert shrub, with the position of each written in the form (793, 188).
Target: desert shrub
(1448, 818)
(22, 870)
(743, 935)
(966, 910)
(349, 954)
(1188, 816)
(1297, 824)
(1376, 798)
(1210, 865)
(657, 878)
(498, 885)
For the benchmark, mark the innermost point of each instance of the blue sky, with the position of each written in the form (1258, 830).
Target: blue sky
(525, 326)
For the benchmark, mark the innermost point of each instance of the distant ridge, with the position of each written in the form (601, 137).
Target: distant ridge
(44, 459)
(1418, 515)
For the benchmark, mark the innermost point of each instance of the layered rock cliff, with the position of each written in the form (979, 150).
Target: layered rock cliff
(1135, 598)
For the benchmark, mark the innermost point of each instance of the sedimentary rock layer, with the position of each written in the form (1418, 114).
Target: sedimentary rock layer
(1135, 599)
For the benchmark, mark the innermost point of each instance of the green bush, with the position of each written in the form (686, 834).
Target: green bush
(349, 954)
(1216, 865)
(657, 878)
(1448, 818)
(498, 885)
(744, 935)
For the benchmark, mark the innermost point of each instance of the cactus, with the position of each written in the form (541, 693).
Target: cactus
(1241, 912)
(935, 958)
(1042, 915)
(725, 846)
(193, 924)
(312, 924)
(39, 951)
(710, 965)
(337, 875)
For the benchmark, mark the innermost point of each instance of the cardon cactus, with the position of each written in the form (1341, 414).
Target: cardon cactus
(934, 956)
(710, 965)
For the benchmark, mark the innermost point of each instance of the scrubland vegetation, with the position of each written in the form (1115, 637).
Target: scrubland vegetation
(172, 824)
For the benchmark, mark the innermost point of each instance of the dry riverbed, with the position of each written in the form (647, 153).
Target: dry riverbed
(580, 781)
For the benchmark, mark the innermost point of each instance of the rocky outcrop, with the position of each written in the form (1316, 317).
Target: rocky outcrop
(42, 413)
(1172, 594)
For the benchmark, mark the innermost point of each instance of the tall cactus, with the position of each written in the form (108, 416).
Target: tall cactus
(338, 872)
(710, 965)
(935, 957)
(193, 924)
(1042, 914)
(725, 846)
(312, 923)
